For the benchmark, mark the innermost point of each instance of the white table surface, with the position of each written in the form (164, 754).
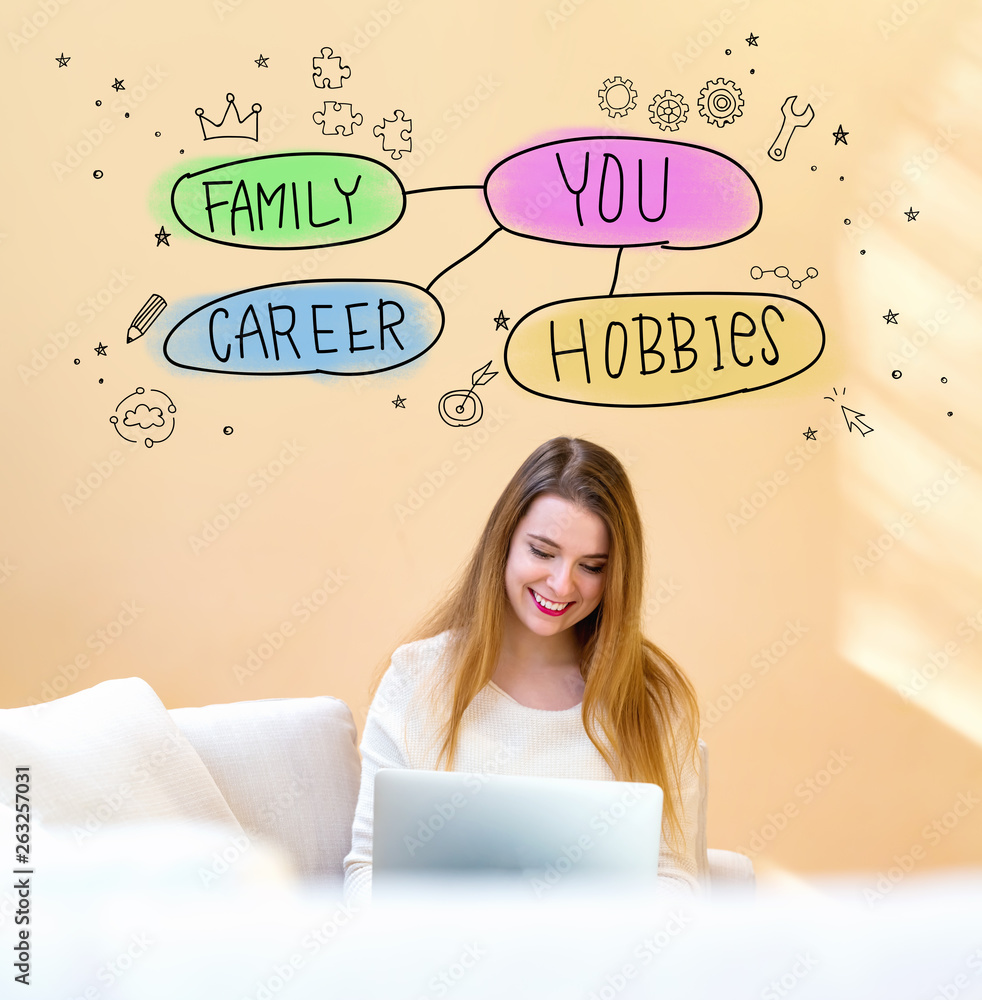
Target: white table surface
(134, 920)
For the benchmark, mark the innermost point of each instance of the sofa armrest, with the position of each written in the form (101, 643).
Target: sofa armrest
(729, 870)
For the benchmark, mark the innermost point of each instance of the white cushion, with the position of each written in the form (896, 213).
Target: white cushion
(289, 768)
(107, 755)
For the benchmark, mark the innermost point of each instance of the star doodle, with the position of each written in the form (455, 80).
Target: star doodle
(101, 349)
(62, 60)
(891, 317)
(261, 61)
(809, 434)
(752, 40)
(501, 320)
(911, 214)
(399, 402)
(162, 237)
(840, 136)
(118, 85)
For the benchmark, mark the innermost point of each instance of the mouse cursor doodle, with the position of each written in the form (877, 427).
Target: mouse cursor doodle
(852, 420)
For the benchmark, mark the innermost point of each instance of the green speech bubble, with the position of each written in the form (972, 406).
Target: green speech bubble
(290, 201)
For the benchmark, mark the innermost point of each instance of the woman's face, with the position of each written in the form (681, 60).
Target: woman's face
(556, 568)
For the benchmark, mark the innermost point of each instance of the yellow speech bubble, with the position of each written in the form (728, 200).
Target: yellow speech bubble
(662, 349)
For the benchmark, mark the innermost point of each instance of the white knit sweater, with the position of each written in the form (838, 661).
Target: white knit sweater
(498, 735)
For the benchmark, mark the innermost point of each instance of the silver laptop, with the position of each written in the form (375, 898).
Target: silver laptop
(542, 832)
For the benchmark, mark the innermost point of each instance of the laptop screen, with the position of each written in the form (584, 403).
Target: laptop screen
(537, 828)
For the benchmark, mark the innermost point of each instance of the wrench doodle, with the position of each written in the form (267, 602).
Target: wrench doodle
(792, 120)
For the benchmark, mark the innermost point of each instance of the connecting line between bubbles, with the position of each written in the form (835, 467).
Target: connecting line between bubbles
(449, 187)
(462, 259)
(617, 267)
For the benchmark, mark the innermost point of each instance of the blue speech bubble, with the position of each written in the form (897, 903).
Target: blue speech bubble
(335, 326)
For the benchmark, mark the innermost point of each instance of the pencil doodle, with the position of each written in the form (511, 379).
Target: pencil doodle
(144, 319)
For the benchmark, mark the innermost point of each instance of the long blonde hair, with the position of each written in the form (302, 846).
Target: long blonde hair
(634, 693)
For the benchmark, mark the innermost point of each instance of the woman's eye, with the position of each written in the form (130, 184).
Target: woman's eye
(594, 569)
(536, 552)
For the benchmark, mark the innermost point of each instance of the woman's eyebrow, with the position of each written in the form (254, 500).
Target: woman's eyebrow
(549, 541)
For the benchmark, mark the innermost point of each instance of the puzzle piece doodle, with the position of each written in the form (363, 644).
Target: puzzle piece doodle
(398, 131)
(330, 72)
(341, 116)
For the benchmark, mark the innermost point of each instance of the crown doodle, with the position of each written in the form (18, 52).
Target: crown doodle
(241, 128)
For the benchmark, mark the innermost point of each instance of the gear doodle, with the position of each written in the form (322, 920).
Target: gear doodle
(399, 127)
(668, 111)
(329, 72)
(720, 102)
(617, 97)
(144, 413)
(343, 118)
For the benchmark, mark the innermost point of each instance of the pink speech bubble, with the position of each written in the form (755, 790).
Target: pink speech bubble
(623, 191)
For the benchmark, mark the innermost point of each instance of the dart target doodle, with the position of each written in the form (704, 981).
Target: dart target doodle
(463, 407)
(460, 408)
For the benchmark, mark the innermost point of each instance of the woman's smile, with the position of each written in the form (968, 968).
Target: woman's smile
(549, 607)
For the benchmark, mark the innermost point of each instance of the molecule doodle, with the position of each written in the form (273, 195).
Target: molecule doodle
(782, 272)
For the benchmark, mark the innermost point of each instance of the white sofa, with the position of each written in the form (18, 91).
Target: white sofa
(158, 885)
(285, 771)
(289, 770)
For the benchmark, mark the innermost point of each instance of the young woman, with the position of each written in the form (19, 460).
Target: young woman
(536, 663)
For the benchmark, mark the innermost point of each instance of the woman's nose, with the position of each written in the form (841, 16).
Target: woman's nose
(561, 580)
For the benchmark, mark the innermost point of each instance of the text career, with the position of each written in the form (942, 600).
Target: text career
(662, 349)
(315, 332)
(338, 327)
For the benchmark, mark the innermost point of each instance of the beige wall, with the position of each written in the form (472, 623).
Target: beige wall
(905, 90)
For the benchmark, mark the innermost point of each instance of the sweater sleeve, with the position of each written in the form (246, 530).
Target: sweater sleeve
(678, 869)
(383, 744)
